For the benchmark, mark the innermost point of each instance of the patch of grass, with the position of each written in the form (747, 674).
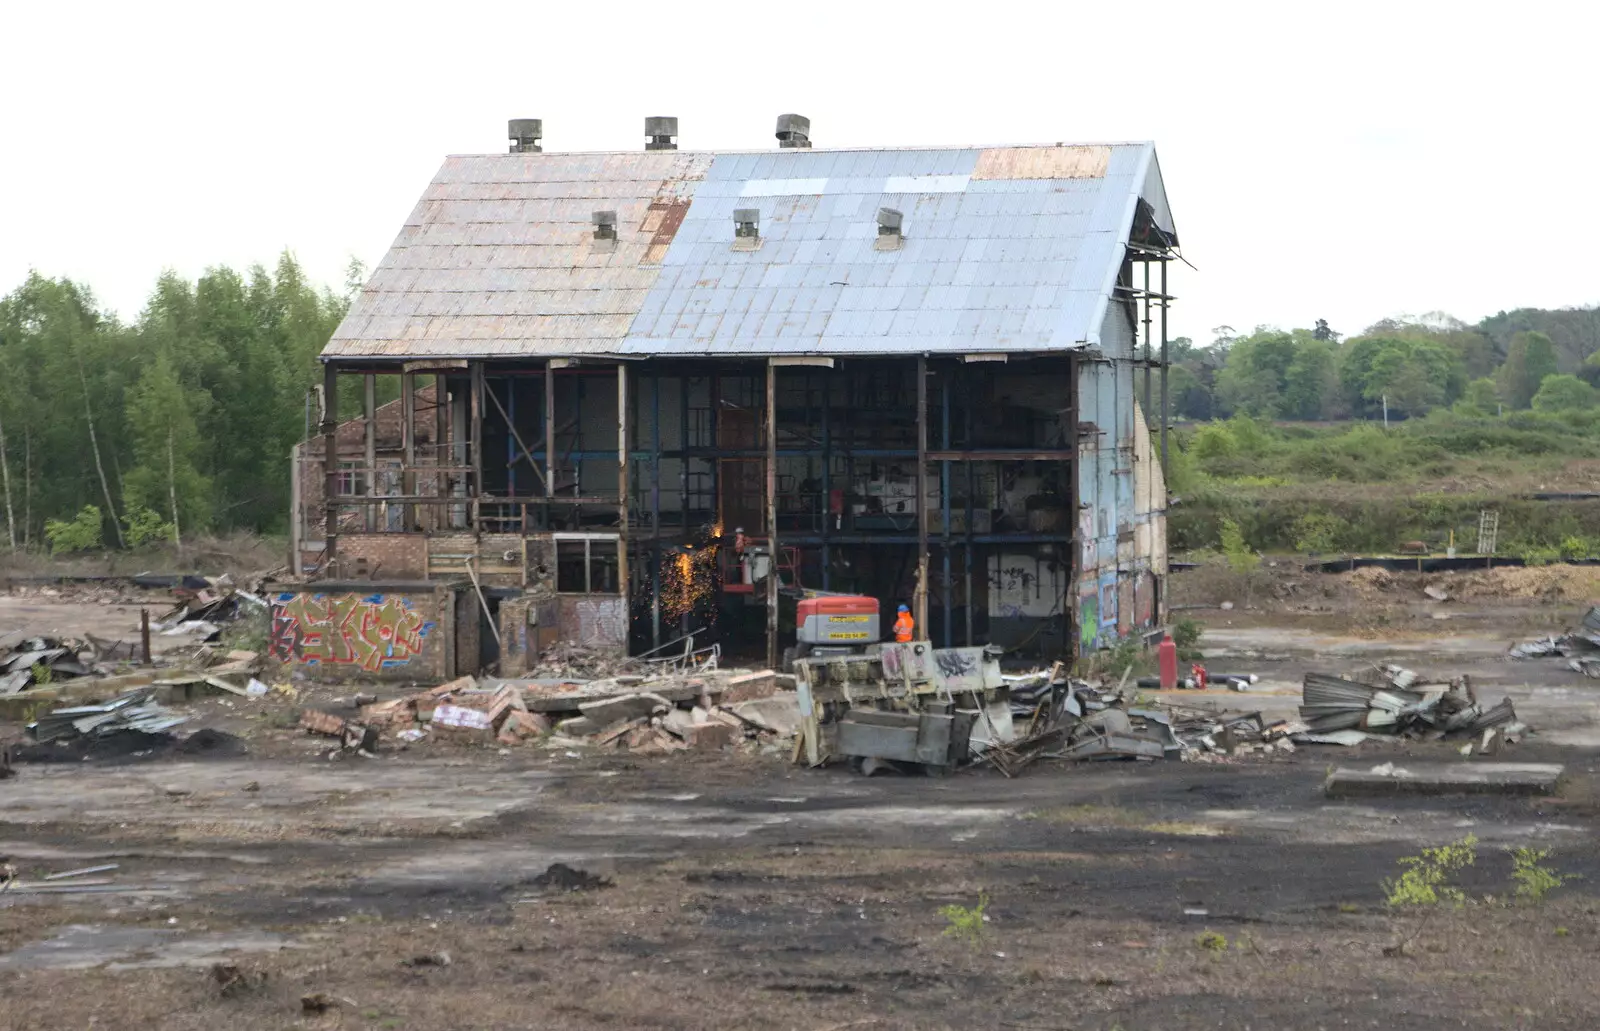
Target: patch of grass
(1122, 819)
(1533, 879)
(1425, 879)
(1211, 941)
(1562, 932)
(965, 923)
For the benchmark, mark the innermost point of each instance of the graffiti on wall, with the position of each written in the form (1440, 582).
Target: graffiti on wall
(373, 631)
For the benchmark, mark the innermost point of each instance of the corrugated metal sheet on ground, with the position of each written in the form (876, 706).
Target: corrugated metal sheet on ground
(1013, 248)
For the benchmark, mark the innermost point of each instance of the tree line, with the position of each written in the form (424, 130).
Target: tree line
(177, 423)
(1546, 360)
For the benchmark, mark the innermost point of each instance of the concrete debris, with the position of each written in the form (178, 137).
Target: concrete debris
(1391, 700)
(1436, 593)
(561, 877)
(1454, 778)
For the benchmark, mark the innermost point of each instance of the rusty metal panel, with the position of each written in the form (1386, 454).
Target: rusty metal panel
(1005, 249)
(1043, 163)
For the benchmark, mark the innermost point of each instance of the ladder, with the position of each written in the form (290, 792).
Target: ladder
(1488, 530)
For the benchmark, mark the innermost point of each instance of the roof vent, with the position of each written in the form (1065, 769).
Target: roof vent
(661, 129)
(525, 134)
(794, 131)
(746, 229)
(889, 234)
(605, 225)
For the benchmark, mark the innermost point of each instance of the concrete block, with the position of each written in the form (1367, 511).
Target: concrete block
(750, 686)
(779, 714)
(579, 726)
(710, 737)
(1466, 778)
(606, 711)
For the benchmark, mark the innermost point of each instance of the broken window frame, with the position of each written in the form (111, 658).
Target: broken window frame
(608, 565)
(352, 478)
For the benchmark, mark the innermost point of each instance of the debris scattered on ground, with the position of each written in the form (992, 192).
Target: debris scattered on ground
(233, 980)
(1583, 642)
(353, 737)
(561, 877)
(1391, 700)
(1445, 779)
(317, 1002)
(135, 711)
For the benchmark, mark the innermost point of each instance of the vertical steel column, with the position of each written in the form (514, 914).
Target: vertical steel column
(549, 435)
(1164, 404)
(408, 447)
(623, 487)
(827, 478)
(369, 451)
(944, 502)
(920, 597)
(683, 450)
(655, 506)
(475, 442)
(971, 514)
(330, 462)
(772, 514)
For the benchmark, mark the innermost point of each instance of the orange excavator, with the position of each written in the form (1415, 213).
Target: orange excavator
(826, 622)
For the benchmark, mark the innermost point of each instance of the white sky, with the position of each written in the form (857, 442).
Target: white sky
(1347, 161)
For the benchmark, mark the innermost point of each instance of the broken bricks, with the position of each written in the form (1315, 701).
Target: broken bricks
(353, 737)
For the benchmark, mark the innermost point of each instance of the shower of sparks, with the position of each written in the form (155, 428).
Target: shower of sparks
(689, 578)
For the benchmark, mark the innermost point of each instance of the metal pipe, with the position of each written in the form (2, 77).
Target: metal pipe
(1164, 360)
(1146, 342)
(772, 515)
(549, 431)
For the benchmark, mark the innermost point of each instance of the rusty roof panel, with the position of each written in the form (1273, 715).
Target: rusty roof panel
(1004, 248)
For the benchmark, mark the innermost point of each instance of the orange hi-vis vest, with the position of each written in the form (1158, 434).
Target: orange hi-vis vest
(903, 627)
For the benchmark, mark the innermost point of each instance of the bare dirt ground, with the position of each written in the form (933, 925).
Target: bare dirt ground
(410, 890)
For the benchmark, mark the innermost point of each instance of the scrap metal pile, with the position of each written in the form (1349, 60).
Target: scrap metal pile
(1391, 700)
(135, 711)
(1580, 646)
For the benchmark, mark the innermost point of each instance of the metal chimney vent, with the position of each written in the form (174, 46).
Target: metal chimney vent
(794, 131)
(525, 134)
(747, 223)
(661, 129)
(889, 233)
(605, 225)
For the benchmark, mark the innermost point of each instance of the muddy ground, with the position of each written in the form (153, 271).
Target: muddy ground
(413, 890)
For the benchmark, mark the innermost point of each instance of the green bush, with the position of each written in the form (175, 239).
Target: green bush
(81, 534)
(1319, 532)
(1425, 879)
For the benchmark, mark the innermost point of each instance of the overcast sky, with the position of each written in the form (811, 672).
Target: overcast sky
(1346, 161)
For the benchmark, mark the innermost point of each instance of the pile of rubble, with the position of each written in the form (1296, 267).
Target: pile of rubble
(1580, 646)
(663, 713)
(1391, 700)
(204, 604)
(1076, 721)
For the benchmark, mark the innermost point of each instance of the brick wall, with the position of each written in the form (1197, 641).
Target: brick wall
(387, 556)
(344, 631)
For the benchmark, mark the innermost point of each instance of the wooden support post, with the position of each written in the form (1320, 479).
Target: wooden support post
(408, 446)
(919, 609)
(144, 635)
(442, 454)
(369, 451)
(772, 515)
(622, 484)
(330, 463)
(475, 441)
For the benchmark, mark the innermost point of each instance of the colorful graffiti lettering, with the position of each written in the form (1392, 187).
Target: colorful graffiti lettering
(373, 632)
(1088, 622)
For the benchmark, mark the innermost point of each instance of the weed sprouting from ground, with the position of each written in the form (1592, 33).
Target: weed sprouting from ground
(1426, 878)
(965, 923)
(1211, 941)
(1532, 878)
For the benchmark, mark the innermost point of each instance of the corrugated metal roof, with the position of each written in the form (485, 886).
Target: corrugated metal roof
(1005, 249)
